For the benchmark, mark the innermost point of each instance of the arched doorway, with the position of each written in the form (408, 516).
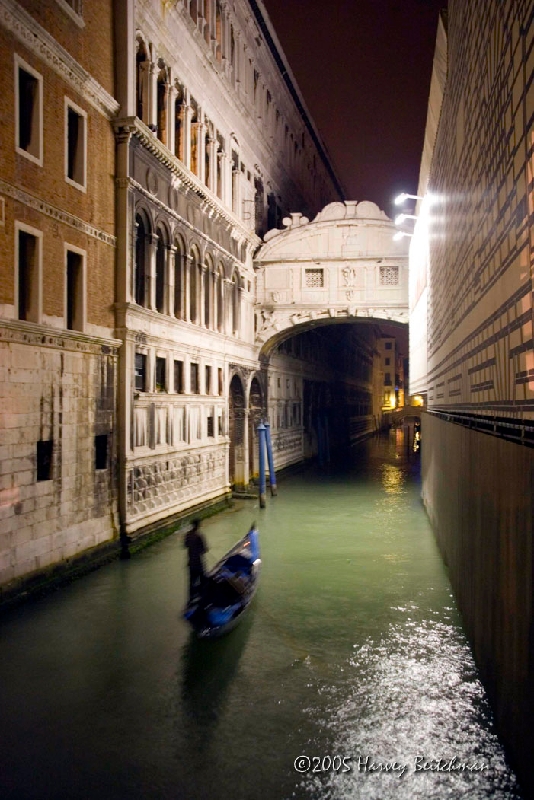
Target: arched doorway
(236, 431)
(256, 413)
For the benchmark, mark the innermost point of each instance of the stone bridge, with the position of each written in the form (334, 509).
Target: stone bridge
(342, 267)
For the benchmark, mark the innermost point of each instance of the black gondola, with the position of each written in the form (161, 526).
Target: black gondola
(227, 589)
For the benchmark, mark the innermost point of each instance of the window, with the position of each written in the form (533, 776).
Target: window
(75, 145)
(179, 377)
(211, 429)
(140, 261)
(387, 360)
(387, 379)
(314, 278)
(195, 387)
(220, 373)
(140, 372)
(161, 368)
(29, 269)
(74, 8)
(28, 112)
(160, 274)
(389, 276)
(101, 451)
(74, 316)
(388, 345)
(44, 460)
(208, 380)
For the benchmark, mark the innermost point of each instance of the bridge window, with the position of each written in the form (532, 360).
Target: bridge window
(389, 276)
(314, 278)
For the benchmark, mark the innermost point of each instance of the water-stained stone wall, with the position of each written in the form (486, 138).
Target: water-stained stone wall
(477, 490)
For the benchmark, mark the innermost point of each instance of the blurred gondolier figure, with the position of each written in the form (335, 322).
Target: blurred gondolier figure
(196, 547)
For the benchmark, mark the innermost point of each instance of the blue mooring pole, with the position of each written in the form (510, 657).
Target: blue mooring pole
(262, 445)
(272, 474)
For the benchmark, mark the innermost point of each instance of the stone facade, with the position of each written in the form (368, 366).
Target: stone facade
(214, 146)
(342, 265)
(473, 355)
(58, 354)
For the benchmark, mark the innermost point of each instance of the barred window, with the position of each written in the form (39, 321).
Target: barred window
(314, 278)
(389, 276)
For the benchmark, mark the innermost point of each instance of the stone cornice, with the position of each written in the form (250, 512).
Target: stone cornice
(186, 178)
(58, 214)
(20, 332)
(37, 40)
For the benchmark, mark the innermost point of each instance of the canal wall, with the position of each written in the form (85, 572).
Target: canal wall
(477, 491)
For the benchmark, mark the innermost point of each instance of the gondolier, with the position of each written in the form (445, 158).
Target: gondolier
(227, 589)
(196, 547)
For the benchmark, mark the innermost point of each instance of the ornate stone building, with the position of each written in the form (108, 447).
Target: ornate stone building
(58, 354)
(214, 146)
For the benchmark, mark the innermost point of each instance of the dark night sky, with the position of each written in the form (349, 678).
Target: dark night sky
(364, 68)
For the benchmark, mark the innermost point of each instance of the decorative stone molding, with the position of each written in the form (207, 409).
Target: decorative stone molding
(37, 40)
(19, 332)
(186, 177)
(56, 213)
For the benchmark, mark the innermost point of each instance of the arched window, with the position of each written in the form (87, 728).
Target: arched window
(179, 126)
(161, 253)
(179, 293)
(208, 292)
(163, 87)
(140, 79)
(219, 321)
(140, 260)
(235, 303)
(194, 265)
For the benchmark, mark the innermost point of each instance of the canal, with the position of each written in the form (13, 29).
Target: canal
(350, 667)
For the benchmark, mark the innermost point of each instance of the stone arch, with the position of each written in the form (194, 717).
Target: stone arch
(256, 413)
(236, 431)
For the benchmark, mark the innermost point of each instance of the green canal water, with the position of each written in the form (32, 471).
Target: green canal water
(351, 665)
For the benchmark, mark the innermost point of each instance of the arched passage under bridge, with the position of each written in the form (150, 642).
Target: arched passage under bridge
(329, 294)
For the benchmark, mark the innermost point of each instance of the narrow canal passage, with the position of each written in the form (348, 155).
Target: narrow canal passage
(351, 661)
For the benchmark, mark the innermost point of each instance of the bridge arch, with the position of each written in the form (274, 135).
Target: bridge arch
(343, 266)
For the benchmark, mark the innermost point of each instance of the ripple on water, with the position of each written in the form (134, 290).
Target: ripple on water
(412, 694)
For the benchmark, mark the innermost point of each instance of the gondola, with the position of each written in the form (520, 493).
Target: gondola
(227, 590)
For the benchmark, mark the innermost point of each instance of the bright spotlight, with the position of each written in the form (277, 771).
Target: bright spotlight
(399, 200)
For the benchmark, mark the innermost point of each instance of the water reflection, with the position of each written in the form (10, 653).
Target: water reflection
(353, 648)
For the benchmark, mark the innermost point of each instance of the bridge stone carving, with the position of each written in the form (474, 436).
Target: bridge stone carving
(343, 265)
